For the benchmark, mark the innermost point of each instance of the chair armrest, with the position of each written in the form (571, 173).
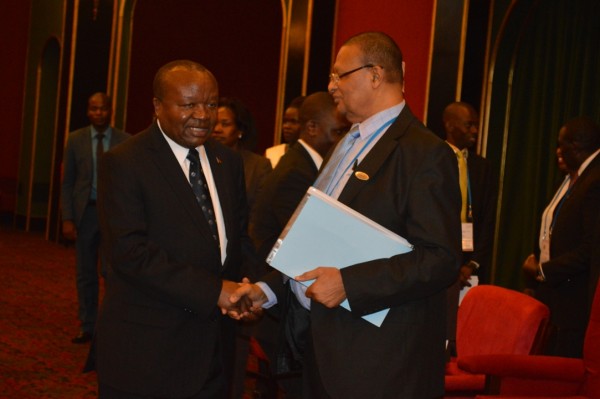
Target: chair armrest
(525, 367)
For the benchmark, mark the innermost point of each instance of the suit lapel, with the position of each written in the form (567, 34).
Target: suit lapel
(167, 165)
(589, 171)
(220, 177)
(373, 161)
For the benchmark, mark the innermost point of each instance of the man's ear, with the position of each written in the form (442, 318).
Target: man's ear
(311, 127)
(156, 103)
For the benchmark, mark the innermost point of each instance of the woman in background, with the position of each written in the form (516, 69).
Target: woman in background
(235, 127)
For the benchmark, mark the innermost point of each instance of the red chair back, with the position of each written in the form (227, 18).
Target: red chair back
(591, 349)
(496, 320)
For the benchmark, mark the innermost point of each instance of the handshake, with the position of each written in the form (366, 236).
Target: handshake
(241, 301)
(244, 300)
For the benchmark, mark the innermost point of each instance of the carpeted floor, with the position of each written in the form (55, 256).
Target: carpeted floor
(38, 318)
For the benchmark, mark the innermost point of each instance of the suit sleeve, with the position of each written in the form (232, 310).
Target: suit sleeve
(577, 259)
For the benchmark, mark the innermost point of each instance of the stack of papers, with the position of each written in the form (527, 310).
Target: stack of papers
(325, 232)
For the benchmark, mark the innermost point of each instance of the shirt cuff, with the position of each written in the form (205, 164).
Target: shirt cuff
(272, 298)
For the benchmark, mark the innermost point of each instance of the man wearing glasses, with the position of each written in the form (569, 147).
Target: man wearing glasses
(396, 172)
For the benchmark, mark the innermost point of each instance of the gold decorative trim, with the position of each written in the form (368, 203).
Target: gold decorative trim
(334, 34)
(307, 37)
(71, 67)
(283, 60)
(461, 51)
(430, 60)
(36, 110)
(485, 101)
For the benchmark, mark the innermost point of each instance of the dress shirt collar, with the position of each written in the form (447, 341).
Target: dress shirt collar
(371, 124)
(107, 133)
(316, 157)
(464, 151)
(179, 151)
(587, 161)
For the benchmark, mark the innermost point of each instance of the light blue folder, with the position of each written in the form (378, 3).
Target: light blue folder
(325, 232)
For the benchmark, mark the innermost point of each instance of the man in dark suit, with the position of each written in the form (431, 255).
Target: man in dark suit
(402, 176)
(174, 215)
(461, 123)
(321, 126)
(78, 203)
(478, 213)
(567, 239)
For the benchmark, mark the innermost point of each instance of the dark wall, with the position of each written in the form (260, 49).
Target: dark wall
(409, 23)
(446, 55)
(238, 41)
(92, 54)
(14, 35)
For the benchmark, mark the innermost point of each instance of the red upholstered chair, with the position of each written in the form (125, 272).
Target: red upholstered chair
(257, 369)
(493, 320)
(545, 376)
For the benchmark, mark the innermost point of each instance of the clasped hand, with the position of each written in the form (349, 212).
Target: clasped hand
(246, 301)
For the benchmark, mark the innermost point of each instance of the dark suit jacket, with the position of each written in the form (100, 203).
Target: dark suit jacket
(256, 169)
(412, 190)
(78, 171)
(280, 195)
(568, 270)
(159, 329)
(484, 196)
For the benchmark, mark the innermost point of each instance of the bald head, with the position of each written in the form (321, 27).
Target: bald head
(160, 79)
(461, 124)
(577, 140)
(377, 48)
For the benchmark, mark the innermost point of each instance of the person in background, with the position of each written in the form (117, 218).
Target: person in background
(290, 131)
(563, 269)
(533, 258)
(173, 214)
(235, 125)
(401, 175)
(78, 204)
(478, 213)
(321, 127)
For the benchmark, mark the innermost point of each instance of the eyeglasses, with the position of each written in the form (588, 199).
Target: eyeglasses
(335, 78)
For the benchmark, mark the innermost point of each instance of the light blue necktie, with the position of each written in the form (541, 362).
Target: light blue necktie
(337, 165)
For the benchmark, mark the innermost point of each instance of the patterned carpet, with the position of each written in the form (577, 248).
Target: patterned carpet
(38, 318)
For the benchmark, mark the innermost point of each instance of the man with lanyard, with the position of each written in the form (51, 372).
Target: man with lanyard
(566, 239)
(478, 212)
(394, 171)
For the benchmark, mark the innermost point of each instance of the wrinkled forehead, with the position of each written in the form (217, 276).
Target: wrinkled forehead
(191, 83)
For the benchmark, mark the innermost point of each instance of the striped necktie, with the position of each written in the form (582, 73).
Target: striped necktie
(337, 164)
(200, 188)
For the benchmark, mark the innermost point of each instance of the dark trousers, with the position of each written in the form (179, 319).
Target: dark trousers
(312, 386)
(86, 245)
